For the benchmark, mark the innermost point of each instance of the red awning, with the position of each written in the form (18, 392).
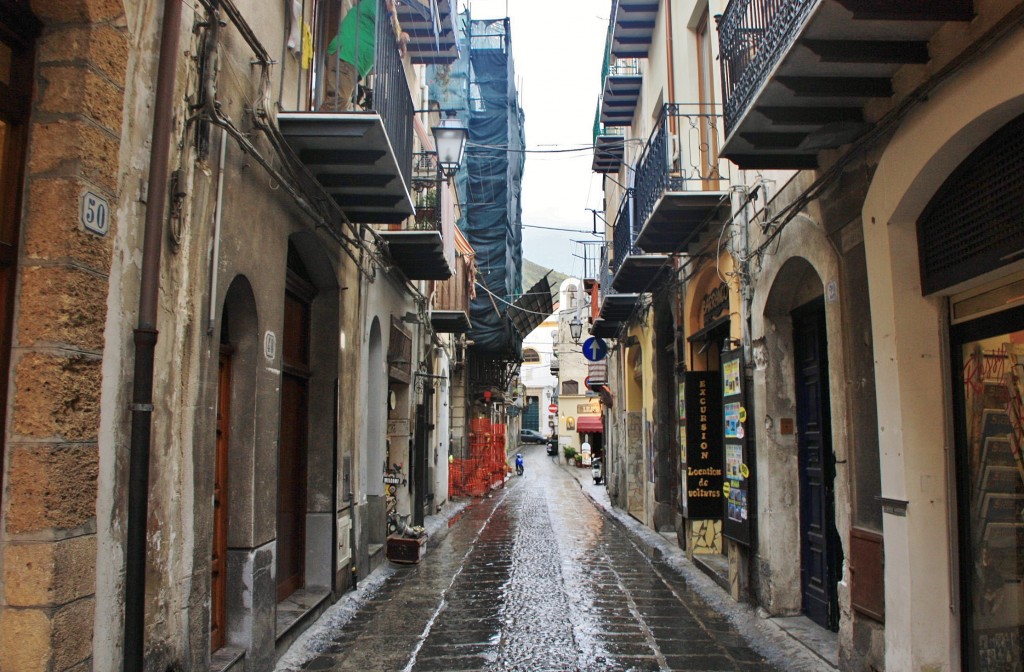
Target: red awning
(589, 424)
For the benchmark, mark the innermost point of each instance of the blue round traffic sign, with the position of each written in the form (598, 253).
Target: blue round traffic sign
(595, 349)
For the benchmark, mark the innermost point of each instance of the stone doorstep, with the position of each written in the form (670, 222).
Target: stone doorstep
(816, 639)
(715, 566)
(227, 658)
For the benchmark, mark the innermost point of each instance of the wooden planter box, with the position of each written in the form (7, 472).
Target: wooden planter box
(403, 550)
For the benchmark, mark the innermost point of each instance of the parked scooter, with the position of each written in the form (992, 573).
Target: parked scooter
(519, 464)
(595, 470)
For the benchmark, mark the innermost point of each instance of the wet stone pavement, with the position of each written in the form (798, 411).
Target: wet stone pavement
(536, 578)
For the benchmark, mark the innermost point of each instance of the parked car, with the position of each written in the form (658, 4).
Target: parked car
(553, 445)
(531, 436)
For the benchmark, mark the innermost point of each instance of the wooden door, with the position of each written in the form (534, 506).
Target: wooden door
(18, 30)
(218, 563)
(293, 448)
(819, 543)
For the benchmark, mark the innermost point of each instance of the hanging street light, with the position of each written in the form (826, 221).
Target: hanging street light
(450, 140)
(576, 329)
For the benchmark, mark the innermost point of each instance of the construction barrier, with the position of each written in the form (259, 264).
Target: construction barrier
(485, 467)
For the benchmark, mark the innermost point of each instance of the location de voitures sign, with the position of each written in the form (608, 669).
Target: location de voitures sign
(703, 450)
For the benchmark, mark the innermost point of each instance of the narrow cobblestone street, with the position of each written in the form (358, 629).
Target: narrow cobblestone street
(536, 578)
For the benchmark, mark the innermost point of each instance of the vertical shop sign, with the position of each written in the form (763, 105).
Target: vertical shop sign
(737, 486)
(701, 404)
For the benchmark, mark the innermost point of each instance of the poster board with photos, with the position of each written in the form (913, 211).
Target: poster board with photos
(738, 480)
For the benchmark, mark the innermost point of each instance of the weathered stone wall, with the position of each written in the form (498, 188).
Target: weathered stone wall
(47, 539)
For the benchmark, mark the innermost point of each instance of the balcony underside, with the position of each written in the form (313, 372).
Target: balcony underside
(431, 39)
(351, 157)
(605, 328)
(608, 153)
(641, 273)
(617, 308)
(449, 321)
(419, 254)
(619, 100)
(844, 56)
(680, 216)
(633, 28)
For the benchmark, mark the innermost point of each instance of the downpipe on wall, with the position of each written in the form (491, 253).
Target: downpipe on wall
(145, 344)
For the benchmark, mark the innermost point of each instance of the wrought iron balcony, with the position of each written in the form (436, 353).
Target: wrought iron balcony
(431, 29)
(616, 307)
(423, 247)
(450, 312)
(361, 157)
(609, 149)
(633, 270)
(621, 93)
(633, 27)
(797, 74)
(678, 180)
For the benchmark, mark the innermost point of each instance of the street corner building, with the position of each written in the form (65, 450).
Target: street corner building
(810, 288)
(237, 288)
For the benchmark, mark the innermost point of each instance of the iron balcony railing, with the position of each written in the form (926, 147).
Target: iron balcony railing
(427, 184)
(624, 66)
(680, 155)
(624, 236)
(392, 99)
(753, 35)
(388, 95)
(592, 251)
(601, 129)
(607, 273)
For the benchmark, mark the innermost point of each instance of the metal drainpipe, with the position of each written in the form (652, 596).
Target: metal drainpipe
(145, 344)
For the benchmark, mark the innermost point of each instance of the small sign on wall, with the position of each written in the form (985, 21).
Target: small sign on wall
(270, 345)
(94, 213)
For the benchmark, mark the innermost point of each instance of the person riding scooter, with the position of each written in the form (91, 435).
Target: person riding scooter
(519, 464)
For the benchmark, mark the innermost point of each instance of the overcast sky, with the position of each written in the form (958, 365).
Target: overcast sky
(557, 46)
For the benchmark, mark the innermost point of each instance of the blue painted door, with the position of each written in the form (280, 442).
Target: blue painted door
(820, 559)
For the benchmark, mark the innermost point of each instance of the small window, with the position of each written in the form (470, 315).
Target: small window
(570, 387)
(530, 356)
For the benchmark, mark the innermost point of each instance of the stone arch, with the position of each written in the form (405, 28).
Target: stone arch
(238, 333)
(376, 397)
(909, 336)
(307, 255)
(805, 265)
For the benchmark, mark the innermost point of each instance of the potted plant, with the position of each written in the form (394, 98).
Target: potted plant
(426, 208)
(570, 454)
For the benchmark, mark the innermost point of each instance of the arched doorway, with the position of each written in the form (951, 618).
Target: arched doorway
(307, 447)
(232, 495)
(798, 378)
(376, 453)
(634, 379)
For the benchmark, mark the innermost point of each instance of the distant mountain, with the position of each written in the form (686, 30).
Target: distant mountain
(533, 272)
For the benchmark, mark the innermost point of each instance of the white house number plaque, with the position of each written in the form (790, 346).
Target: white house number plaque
(95, 213)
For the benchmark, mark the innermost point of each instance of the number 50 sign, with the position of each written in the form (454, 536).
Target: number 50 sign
(95, 213)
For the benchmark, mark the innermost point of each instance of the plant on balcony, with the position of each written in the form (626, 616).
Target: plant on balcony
(426, 208)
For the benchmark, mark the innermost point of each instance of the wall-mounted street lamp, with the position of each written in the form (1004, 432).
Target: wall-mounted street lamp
(576, 329)
(450, 140)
